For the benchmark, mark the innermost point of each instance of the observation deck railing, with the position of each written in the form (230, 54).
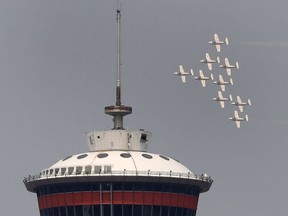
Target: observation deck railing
(202, 177)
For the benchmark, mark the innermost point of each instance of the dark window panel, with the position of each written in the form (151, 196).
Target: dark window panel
(117, 210)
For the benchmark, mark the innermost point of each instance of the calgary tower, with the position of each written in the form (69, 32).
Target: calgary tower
(117, 176)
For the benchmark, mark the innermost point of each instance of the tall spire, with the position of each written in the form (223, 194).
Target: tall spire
(118, 110)
(118, 64)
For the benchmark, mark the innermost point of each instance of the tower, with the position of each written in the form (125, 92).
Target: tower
(117, 176)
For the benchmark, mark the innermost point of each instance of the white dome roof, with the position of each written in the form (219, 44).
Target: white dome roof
(134, 161)
(118, 155)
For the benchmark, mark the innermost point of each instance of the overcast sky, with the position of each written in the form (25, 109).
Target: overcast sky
(57, 73)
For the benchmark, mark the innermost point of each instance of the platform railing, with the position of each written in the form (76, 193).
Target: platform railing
(202, 177)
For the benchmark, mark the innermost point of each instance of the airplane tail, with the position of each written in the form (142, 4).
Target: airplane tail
(226, 41)
(246, 118)
(237, 65)
(231, 81)
(192, 73)
(249, 102)
(212, 77)
(218, 60)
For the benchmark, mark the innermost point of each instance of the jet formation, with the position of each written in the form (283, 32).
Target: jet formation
(222, 81)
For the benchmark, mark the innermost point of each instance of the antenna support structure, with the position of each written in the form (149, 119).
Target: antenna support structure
(118, 110)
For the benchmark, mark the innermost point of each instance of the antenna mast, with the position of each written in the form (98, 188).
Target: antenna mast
(118, 110)
(118, 64)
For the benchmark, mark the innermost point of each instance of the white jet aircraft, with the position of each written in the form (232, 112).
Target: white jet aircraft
(217, 43)
(239, 103)
(182, 73)
(209, 61)
(222, 99)
(201, 77)
(223, 83)
(238, 119)
(229, 66)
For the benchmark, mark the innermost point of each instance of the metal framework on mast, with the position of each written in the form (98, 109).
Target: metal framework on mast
(118, 110)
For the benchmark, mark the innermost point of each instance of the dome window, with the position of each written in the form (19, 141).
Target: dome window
(102, 155)
(147, 156)
(67, 158)
(125, 155)
(165, 158)
(82, 156)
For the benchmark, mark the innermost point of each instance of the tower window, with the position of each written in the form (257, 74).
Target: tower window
(97, 169)
(70, 170)
(107, 169)
(147, 156)
(102, 155)
(56, 171)
(143, 138)
(88, 169)
(79, 170)
(63, 170)
(125, 155)
(165, 158)
(91, 139)
(82, 156)
(67, 158)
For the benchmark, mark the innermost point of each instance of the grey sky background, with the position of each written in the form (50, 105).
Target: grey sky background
(57, 73)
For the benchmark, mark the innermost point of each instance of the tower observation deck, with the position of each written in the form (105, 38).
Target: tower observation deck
(118, 176)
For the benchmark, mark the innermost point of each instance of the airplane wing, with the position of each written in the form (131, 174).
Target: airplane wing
(209, 66)
(236, 115)
(237, 124)
(220, 95)
(182, 73)
(201, 75)
(203, 83)
(227, 63)
(222, 104)
(218, 47)
(216, 38)
(239, 101)
(181, 69)
(221, 79)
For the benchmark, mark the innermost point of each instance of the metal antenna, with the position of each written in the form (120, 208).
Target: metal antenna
(118, 110)
(118, 64)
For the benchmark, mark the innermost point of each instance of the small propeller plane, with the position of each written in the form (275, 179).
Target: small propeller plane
(209, 61)
(182, 73)
(238, 119)
(229, 66)
(239, 103)
(222, 83)
(201, 77)
(217, 42)
(222, 99)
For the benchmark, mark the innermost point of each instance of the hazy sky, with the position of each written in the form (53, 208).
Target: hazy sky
(57, 73)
